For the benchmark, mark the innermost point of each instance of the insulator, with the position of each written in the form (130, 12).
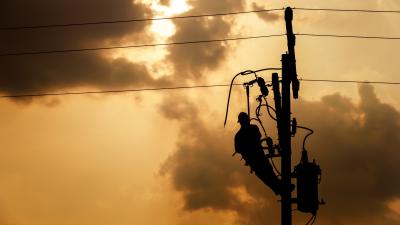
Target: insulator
(294, 126)
(263, 86)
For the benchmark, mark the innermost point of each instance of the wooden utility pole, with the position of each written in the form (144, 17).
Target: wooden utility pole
(289, 78)
(285, 143)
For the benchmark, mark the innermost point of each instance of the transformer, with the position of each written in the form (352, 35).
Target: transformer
(308, 176)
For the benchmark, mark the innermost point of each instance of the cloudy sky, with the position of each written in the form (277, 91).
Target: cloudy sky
(164, 157)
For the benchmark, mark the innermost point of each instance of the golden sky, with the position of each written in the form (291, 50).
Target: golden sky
(163, 157)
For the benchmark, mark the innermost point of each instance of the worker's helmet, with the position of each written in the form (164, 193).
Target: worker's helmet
(243, 116)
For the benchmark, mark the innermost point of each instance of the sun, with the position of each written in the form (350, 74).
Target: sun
(160, 30)
(166, 28)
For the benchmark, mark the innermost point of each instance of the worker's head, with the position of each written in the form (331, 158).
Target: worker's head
(243, 119)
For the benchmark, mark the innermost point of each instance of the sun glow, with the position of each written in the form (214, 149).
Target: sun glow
(160, 30)
(166, 28)
(175, 7)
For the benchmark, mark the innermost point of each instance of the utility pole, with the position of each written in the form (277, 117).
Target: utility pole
(285, 143)
(289, 78)
(307, 174)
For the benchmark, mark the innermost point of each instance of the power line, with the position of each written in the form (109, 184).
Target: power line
(347, 10)
(135, 20)
(192, 42)
(350, 81)
(183, 87)
(24, 27)
(349, 36)
(115, 91)
(137, 46)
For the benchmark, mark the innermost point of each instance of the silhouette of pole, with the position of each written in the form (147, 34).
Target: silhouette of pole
(289, 76)
(291, 42)
(285, 143)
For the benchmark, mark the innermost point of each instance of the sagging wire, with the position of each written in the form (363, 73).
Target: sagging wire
(258, 119)
(311, 220)
(278, 173)
(246, 72)
(268, 109)
(305, 138)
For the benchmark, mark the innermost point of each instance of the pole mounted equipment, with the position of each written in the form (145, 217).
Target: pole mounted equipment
(306, 173)
(291, 42)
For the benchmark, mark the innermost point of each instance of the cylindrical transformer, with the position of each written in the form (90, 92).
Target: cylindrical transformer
(308, 175)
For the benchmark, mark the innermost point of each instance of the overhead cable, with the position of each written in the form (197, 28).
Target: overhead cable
(42, 26)
(179, 87)
(114, 91)
(348, 36)
(137, 46)
(350, 81)
(134, 20)
(347, 10)
(190, 42)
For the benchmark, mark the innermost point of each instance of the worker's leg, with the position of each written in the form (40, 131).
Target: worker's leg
(265, 172)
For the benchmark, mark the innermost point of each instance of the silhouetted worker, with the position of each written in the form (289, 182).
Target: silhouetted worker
(248, 144)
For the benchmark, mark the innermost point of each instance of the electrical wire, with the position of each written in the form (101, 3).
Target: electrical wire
(268, 108)
(135, 20)
(24, 27)
(315, 217)
(114, 91)
(272, 117)
(349, 81)
(307, 135)
(259, 120)
(246, 72)
(229, 97)
(262, 126)
(136, 46)
(311, 220)
(348, 36)
(278, 173)
(346, 10)
(269, 112)
(42, 26)
(179, 87)
(190, 42)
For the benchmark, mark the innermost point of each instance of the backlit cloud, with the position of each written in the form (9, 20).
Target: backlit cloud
(355, 144)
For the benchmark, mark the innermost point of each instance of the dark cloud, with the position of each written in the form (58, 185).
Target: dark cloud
(44, 12)
(191, 61)
(266, 16)
(355, 144)
(203, 171)
(40, 73)
(58, 72)
(181, 108)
